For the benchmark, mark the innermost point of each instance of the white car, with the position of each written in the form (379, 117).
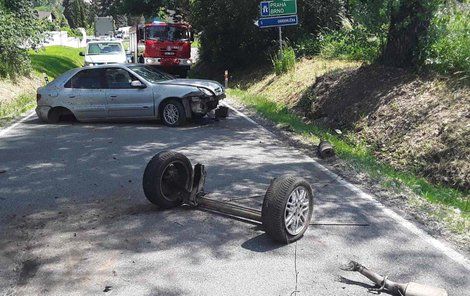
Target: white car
(104, 52)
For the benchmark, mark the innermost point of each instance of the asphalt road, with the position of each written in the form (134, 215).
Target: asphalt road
(74, 219)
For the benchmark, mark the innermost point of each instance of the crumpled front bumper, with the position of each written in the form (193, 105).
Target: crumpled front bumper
(205, 104)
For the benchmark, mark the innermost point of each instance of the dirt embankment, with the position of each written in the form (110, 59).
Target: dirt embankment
(411, 122)
(10, 90)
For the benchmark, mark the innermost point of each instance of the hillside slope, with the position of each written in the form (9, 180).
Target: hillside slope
(421, 124)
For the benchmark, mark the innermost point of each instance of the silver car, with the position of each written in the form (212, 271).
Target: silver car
(126, 92)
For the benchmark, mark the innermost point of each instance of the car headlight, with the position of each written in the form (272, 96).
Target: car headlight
(206, 91)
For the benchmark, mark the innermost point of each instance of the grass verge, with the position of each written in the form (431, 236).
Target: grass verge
(8, 111)
(52, 61)
(55, 60)
(355, 153)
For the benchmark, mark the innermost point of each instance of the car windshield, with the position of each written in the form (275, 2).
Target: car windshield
(167, 33)
(150, 74)
(104, 48)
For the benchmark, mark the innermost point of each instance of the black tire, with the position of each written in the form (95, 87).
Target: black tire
(166, 179)
(179, 108)
(274, 208)
(53, 116)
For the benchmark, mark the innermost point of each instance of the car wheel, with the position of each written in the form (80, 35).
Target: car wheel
(287, 208)
(53, 116)
(167, 178)
(173, 113)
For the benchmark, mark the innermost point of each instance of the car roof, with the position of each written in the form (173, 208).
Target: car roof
(104, 41)
(106, 66)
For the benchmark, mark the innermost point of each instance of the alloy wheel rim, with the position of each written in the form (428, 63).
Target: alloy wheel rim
(174, 175)
(171, 114)
(296, 211)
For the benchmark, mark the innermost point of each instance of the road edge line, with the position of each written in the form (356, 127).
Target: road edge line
(6, 130)
(439, 245)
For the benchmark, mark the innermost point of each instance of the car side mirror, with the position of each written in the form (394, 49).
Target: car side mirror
(137, 84)
(82, 54)
(191, 36)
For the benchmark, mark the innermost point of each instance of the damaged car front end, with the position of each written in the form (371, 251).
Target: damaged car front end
(205, 100)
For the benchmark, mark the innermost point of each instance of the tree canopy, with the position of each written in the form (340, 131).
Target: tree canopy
(19, 30)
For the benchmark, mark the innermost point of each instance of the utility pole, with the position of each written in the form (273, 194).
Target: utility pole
(280, 41)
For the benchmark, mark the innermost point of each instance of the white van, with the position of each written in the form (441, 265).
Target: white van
(104, 52)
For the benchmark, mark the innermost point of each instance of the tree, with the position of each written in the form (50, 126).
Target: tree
(229, 38)
(19, 30)
(75, 11)
(409, 29)
(147, 8)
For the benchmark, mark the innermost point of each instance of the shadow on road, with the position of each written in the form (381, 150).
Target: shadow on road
(73, 213)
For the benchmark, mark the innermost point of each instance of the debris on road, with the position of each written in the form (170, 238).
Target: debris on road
(284, 126)
(399, 289)
(107, 289)
(325, 150)
(2, 171)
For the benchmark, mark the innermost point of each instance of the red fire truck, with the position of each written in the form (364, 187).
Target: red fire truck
(164, 45)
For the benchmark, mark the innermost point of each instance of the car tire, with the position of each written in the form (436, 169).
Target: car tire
(167, 178)
(173, 113)
(53, 116)
(287, 209)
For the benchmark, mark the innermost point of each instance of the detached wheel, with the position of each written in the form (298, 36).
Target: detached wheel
(167, 178)
(287, 209)
(173, 113)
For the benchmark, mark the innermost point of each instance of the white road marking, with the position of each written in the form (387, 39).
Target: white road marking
(441, 246)
(5, 131)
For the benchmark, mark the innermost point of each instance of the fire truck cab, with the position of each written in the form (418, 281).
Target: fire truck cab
(164, 45)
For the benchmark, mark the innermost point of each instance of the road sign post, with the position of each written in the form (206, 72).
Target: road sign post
(278, 13)
(281, 21)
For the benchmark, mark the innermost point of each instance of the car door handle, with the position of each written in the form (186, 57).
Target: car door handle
(72, 97)
(113, 96)
(146, 107)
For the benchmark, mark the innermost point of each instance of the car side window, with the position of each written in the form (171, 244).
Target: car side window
(85, 79)
(117, 78)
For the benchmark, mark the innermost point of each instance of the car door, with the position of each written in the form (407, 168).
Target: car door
(84, 95)
(124, 100)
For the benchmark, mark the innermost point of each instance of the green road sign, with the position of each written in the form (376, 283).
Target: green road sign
(278, 8)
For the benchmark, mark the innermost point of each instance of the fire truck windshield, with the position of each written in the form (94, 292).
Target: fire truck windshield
(166, 33)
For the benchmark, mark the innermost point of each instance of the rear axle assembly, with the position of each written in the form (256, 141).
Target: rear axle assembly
(170, 181)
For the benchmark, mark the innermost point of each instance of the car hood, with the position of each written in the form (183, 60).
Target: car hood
(105, 58)
(214, 86)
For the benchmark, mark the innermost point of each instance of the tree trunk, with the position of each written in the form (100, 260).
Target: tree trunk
(409, 26)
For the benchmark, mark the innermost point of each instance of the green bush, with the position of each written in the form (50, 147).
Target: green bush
(19, 29)
(354, 43)
(229, 39)
(449, 44)
(284, 61)
(307, 46)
